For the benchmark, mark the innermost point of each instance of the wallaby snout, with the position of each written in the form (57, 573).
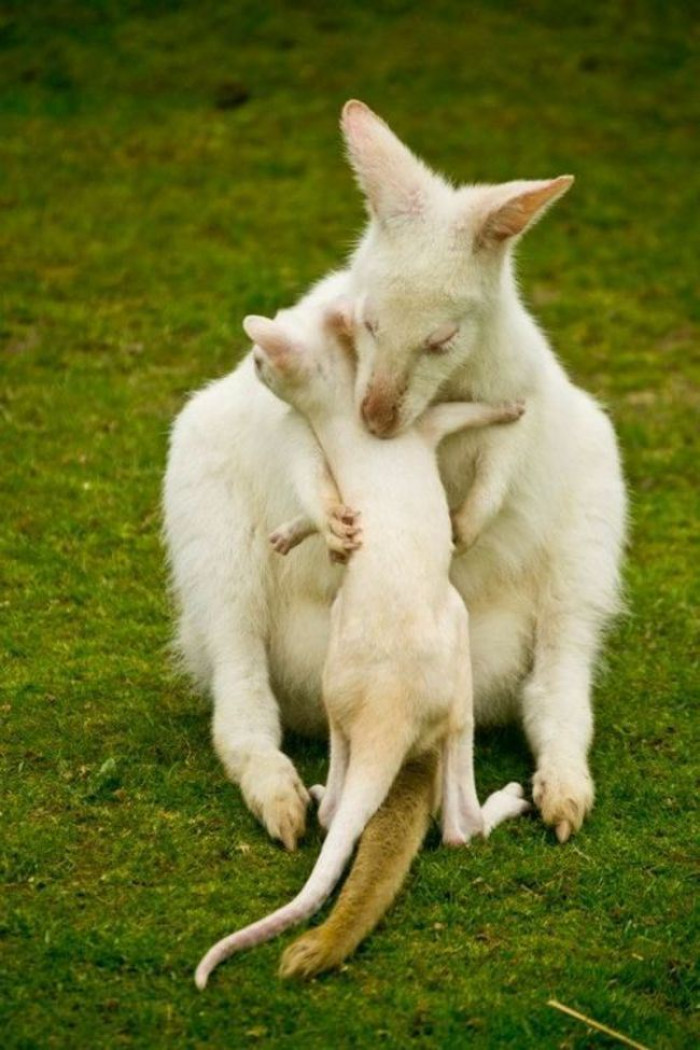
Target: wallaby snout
(381, 410)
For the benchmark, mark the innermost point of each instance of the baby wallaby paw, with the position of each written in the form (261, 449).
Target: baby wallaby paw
(509, 411)
(342, 534)
(282, 539)
(276, 795)
(564, 797)
(503, 805)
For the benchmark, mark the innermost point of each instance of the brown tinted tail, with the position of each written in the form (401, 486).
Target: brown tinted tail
(390, 842)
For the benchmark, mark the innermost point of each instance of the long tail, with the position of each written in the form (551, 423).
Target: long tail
(390, 842)
(366, 787)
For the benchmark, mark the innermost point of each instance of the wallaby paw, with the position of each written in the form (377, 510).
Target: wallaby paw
(282, 539)
(509, 411)
(343, 534)
(307, 956)
(275, 794)
(564, 798)
(502, 805)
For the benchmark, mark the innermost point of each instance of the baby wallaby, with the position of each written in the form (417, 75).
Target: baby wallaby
(397, 677)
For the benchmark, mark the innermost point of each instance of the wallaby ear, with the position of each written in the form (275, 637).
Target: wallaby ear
(340, 317)
(394, 181)
(517, 206)
(272, 339)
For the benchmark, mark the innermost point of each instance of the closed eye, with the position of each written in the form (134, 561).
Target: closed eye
(441, 339)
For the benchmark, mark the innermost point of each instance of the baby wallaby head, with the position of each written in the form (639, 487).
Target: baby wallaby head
(307, 358)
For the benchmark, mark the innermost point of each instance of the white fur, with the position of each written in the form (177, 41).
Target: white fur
(397, 677)
(541, 577)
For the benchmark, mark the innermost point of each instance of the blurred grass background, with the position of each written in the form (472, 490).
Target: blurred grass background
(166, 168)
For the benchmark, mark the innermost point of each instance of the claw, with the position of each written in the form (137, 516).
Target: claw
(288, 837)
(563, 797)
(563, 831)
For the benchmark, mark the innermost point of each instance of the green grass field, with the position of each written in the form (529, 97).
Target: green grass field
(166, 168)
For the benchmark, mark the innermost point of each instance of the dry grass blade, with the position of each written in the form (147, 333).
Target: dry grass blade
(596, 1024)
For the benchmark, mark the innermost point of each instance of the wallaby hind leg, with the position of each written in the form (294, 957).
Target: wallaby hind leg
(461, 813)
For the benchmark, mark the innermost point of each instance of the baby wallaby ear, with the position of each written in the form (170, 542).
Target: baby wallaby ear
(517, 206)
(270, 336)
(394, 180)
(340, 317)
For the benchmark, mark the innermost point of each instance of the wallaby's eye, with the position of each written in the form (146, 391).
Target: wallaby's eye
(439, 342)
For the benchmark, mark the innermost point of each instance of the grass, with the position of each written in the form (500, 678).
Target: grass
(167, 168)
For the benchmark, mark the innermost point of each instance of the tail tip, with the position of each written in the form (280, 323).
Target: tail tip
(307, 957)
(201, 977)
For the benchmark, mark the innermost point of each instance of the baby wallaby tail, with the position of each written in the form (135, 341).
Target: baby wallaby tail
(390, 842)
(367, 784)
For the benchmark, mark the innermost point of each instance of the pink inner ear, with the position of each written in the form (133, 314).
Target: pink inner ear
(340, 317)
(271, 338)
(394, 181)
(356, 116)
(523, 208)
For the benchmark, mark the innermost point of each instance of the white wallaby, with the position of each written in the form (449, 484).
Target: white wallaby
(538, 509)
(542, 517)
(397, 677)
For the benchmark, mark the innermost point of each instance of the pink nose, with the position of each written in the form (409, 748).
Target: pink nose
(380, 415)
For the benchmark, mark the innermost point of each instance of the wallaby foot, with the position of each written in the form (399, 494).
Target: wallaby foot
(503, 805)
(276, 795)
(564, 796)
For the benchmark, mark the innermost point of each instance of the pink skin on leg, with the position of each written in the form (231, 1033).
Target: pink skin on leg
(461, 813)
(462, 816)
